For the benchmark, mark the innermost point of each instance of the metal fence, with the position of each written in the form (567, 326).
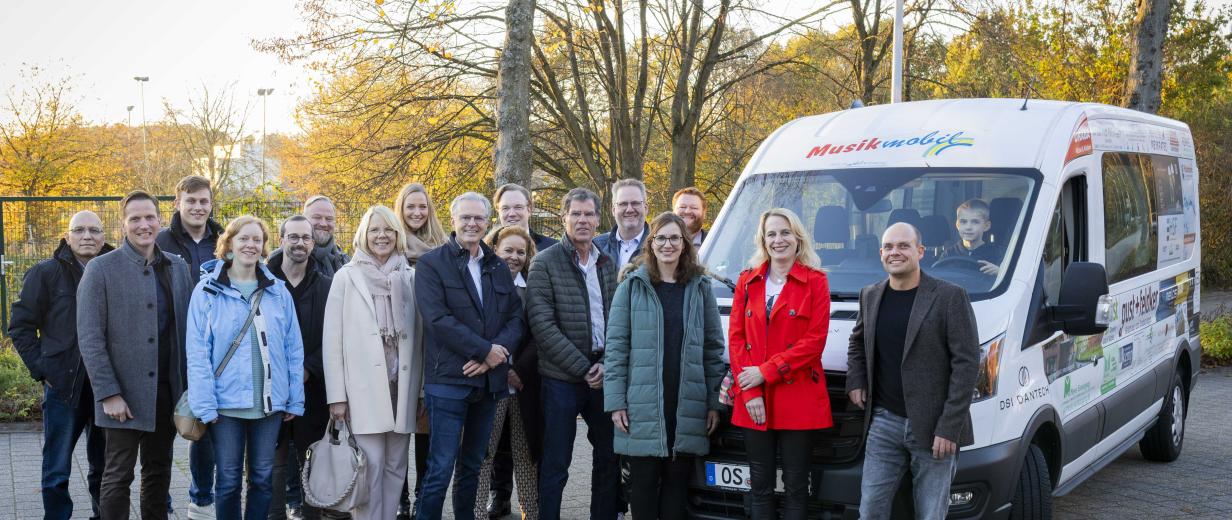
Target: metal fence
(31, 228)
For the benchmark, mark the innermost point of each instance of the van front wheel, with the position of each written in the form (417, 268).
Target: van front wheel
(1163, 442)
(1033, 498)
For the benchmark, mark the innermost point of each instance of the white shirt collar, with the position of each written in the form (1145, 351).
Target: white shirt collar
(518, 281)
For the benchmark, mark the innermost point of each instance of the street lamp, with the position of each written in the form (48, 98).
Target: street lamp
(145, 150)
(264, 93)
(130, 116)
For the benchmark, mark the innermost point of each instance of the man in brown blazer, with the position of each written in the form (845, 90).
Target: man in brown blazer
(912, 364)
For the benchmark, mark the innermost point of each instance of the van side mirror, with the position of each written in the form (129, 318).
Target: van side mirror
(1083, 288)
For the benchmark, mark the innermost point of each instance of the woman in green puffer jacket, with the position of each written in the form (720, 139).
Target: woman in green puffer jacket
(662, 369)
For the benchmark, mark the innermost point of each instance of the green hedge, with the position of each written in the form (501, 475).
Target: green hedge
(1217, 340)
(21, 398)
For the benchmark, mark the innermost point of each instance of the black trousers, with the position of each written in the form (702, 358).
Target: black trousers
(502, 464)
(658, 487)
(796, 447)
(421, 466)
(154, 449)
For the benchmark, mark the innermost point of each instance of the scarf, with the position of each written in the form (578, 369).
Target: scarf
(385, 285)
(415, 248)
(326, 253)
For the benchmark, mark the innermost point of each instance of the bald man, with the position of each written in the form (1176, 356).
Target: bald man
(912, 362)
(44, 330)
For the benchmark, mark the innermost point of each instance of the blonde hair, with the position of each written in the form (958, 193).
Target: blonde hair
(432, 233)
(234, 227)
(805, 254)
(360, 242)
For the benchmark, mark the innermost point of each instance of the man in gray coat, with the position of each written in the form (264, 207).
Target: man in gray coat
(132, 305)
(912, 363)
(568, 297)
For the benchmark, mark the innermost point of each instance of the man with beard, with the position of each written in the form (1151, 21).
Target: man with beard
(44, 332)
(193, 235)
(690, 205)
(329, 257)
(625, 240)
(294, 264)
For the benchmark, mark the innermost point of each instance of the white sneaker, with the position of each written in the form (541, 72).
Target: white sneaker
(196, 512)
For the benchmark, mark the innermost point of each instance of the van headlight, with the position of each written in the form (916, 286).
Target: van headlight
(990, 368)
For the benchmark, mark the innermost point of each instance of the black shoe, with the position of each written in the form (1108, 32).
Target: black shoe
(498, 508)
(404, 513)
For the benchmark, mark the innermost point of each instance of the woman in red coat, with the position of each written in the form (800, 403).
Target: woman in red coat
(779, 319)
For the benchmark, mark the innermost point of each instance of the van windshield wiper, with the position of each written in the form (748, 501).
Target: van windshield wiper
(844, 297)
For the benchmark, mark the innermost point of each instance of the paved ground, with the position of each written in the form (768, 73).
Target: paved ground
(1198, 485)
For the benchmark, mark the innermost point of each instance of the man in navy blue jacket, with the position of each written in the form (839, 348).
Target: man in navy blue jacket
(472, 322)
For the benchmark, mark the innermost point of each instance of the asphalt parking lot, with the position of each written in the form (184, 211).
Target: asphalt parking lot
(1196, 486)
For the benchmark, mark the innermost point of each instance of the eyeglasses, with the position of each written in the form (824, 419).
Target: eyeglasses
(297, 239)
(673, 240)
(471, 219)
(629, 204)
(80, 230)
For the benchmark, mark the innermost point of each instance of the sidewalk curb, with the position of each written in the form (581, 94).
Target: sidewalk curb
(21, 427)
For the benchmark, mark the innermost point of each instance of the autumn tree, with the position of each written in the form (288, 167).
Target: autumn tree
(210, 133)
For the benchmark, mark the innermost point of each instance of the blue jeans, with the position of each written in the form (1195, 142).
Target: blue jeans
(233, 439)
(460, 429)
(890, 451)
(562, 402)
(62, 426)
(201, 471)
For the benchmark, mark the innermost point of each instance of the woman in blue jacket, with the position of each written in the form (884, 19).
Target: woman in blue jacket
(262, 384)
(662, 369)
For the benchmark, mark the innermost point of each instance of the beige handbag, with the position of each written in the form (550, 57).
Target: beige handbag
(334, 471)
(186, 423)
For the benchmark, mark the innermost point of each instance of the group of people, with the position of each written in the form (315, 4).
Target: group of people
(485, 346)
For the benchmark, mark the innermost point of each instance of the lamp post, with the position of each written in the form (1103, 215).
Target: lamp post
(264, 93)
(145, 149)
(896, 74)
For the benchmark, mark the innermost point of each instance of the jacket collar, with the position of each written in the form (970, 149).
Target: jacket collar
(642, 274)
(798, 272)
(567, 244)
(486, 256)
(215, 272)
(65, 255)
(128, 251)
(614, 234)
(212, 228)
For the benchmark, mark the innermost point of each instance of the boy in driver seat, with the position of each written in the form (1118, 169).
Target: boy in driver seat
(972, 223)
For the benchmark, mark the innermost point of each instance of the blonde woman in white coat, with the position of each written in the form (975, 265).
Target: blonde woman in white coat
(373, 362)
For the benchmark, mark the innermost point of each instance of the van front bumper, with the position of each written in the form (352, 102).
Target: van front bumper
(989, 474)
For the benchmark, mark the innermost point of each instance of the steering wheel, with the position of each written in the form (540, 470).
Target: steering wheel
(960, 262)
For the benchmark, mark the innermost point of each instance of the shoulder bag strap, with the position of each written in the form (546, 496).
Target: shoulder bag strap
(256, 304)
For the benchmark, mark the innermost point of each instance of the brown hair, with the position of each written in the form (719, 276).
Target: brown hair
(234, 227)
(502, 232)
(689, 191)
(192, 183)
(687, 267)
(512, 187)
(432, 232)
(134, 196)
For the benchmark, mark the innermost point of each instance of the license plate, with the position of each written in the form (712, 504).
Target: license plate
(727, 476)
(736, 477)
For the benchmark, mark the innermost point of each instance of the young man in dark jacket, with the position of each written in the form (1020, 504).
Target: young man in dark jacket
(44, 331)
(193, 236)
(912, 364)
(568, 297)
(132, 307)
(293, 263)
(472, 324)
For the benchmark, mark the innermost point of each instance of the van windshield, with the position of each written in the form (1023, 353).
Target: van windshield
(971, 220)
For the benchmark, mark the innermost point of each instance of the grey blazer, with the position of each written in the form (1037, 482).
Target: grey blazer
(117, 330)
(940, 358)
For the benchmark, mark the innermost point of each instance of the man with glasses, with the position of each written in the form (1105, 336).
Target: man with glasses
(293, 263)
(568, 297)
(44, 331)
(912, 362)
(514, 208)
(625, 240)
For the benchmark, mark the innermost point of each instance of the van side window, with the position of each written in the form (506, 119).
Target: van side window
(1067, 236)
(1130, 240)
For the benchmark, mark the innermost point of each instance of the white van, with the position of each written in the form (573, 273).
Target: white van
(1096, 211)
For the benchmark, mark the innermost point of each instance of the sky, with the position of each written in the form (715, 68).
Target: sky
(179, 44)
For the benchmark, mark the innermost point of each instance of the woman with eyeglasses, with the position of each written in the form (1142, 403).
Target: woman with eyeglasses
(779, 319)
(373, 363)
(663, 366)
